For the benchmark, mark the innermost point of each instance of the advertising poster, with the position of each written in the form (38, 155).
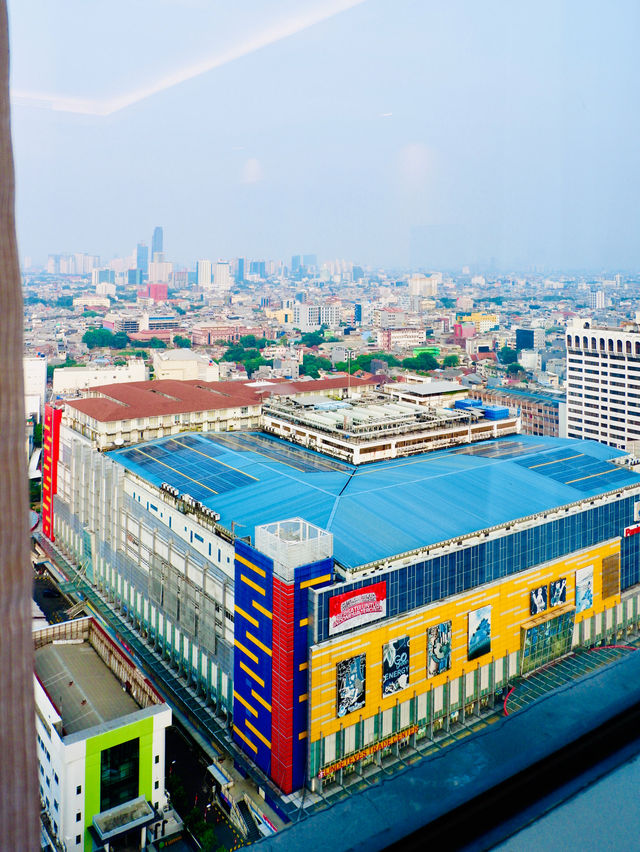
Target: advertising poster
(351, 684)
(395, 666)
(479, 632)
(584, 588)
(538, 600)
(558, 592)
(353, 609)
(438, 649)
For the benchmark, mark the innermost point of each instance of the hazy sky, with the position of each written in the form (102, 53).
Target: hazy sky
(393, 132)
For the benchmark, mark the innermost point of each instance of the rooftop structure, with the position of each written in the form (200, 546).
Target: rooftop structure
(374, 427)
(100, 729)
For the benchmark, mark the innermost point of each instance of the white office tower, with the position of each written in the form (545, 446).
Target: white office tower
(205, 273)
(222, 276)
(424, 285)
(603, 383)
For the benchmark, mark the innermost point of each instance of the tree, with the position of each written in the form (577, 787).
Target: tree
(18, 781)
(312, 364)
(514, 368)
(312, 338)
(120, 340)
(182, 342)
(423, 362)
(156, 343)
(450, 361)
(508, 355)
(37, 434)
(95, 338)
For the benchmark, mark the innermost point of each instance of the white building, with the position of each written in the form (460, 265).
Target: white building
(222, 276)
(311, 317)
(182, 364)
(204, 273)
(160, 271)
(424, 285)
(35, 386)
(603, 383)
(71, 380)
(100, 728)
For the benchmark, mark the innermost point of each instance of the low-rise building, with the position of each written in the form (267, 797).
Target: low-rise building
(400, 338)
(72, 380)
(100, 728)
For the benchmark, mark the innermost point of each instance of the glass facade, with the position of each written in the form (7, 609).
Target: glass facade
(119, 772)
(440, 577)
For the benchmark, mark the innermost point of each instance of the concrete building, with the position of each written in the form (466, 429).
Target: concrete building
(160, 271)
(100, 728)
(211, 334)
(530, 338)
(430, 393)
(204, 274)
(389, 339)
(541, 413)
(184, 364)
(603, 383)
(222, 276)
(365, 608)
(312, 317)
(35, 386)
(72, 380)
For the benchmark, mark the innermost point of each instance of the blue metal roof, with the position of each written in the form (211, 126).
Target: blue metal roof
(378, 510)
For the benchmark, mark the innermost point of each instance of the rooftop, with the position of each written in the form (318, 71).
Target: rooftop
(130, 400)
(378, 510)
(83, 689)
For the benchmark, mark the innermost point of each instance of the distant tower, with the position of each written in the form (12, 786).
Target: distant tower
(157, 241)
(142, 258)
(205, 273)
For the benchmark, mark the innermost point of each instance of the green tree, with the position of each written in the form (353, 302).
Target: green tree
(120, 340)
(423, 362)
(514, 368)
(156, 343)
(182, 342)
(508, 355)
(95, 338)
(312, 338)
(450, 361)
(37, 434)
(312, 364)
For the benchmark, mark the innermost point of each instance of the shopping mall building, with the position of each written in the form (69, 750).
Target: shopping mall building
(335, 611)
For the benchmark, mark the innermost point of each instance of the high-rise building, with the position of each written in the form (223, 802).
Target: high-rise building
(530, 338)
(157, 241)
(259, 268)
(296, 263)
(142, 257)
(205, 273)
(603, 383)
(241, 269)
(222, 276)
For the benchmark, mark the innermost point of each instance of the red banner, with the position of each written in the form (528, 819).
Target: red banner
(361, 606)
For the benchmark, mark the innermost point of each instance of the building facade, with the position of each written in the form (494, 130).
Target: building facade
(603, 383)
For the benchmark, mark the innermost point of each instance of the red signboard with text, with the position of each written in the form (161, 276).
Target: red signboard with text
(50, 451)
(352, 609)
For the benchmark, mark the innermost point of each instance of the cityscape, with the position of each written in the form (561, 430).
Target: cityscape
(331, 379)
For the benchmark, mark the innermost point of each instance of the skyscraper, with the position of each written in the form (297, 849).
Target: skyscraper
(205, 273)
(157, 241)
(240, 273)
(222, 276)
(142, 257)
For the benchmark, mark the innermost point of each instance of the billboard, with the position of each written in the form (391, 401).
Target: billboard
(438, 649)
(558, 592)
(395, 666)
(538, 600)
(479, 632)
(352, 609)
(351, 683)
(584, 588)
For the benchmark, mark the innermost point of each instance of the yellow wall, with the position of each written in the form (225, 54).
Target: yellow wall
(509, 599)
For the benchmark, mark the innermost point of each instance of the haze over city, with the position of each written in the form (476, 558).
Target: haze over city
(401, 134)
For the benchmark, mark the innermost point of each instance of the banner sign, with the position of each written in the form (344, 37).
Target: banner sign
(395, 666)
(353, 609)
(372, 749)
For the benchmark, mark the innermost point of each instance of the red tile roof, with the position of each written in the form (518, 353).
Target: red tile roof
(133, 400)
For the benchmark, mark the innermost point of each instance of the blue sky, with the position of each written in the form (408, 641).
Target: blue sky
(392, 132)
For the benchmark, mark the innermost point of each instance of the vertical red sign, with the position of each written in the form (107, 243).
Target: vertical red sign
(50, 453)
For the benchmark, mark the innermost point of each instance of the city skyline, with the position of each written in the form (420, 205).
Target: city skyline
(399, 135)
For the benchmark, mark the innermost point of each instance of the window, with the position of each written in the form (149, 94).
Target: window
(119, 774)
(78, 816)
(156, 759)
(78, 790)
(78, 839)
(156, 785)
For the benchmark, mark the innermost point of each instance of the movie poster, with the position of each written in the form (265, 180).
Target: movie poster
(439, 649)
(395, 666)
(538, 600)
(584, 588)
(479, 632)
(351, 684)
(558, 592)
